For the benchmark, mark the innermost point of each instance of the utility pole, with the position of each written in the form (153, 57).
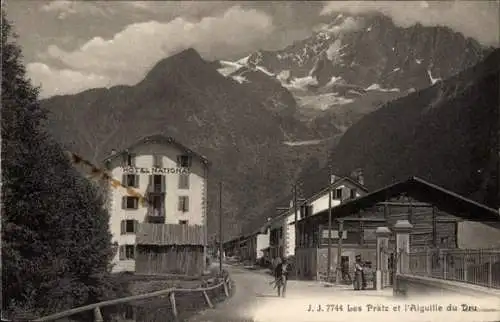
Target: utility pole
(296, 227)
(221, 247)
(339, 252)
(329, 258)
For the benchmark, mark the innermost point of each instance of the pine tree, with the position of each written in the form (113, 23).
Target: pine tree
(56, 244)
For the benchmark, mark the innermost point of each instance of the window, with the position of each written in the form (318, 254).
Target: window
(156, 183)
(131, 180)
(338, 193)
(129, 159)
(129, 226)
(157, 179)
(157, 161)
(156, 206)
(183, 204)
(335, 234)
(353, 193)
(183, 222)
(129, 202)
(184, 181)
(184, 161)
(369, 235)
(156, 201)
(127, 252)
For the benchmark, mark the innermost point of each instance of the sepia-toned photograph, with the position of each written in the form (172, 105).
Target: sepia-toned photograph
(250, 161)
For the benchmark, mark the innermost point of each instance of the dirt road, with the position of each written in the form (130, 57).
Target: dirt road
(309, 301)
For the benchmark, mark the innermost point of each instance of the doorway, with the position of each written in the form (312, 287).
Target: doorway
(344, 267)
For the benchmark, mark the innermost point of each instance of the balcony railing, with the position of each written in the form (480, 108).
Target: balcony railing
(479, 267)
(156, 215)
(156, 212)
(156, 188)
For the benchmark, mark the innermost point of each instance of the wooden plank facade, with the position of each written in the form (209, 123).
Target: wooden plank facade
(432, 227)
(170, 234)
(170, 249)
(170, 259)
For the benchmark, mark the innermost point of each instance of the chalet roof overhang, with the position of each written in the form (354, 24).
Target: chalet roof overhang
(233, 242)
(161, 139)
(421, 190)
(261, 231)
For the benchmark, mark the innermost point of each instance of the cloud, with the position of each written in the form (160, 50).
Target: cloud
(60, 5)
(66, 8)
(129, 54)
(476, 19)
(63, 81)
(346, 25)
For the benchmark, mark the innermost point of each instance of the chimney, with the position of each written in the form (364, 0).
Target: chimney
(333, 178)
(113, 152)
(361, 178)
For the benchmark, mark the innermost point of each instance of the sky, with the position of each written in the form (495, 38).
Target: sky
(71, 46)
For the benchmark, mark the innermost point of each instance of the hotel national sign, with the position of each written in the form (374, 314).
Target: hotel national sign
(136, 170)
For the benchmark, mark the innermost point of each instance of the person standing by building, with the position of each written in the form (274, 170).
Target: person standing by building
(281, 276)
(359, 276)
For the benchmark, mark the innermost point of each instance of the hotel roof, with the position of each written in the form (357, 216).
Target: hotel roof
(162, 139)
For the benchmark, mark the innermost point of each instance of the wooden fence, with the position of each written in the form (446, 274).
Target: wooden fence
(96, 307)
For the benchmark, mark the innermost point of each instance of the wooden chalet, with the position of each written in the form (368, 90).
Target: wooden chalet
(170, 249)
(232, 247)
(441, 219)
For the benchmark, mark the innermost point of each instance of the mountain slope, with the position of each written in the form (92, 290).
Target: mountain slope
(185, 97)
(447, 134)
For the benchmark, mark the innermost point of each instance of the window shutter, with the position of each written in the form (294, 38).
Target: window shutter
(186, 204)
(124, 159)
(150, 182)
(190, 158)
(122, 252)
(123, 227)
(132, 160)
(158, 161)
(179, 205)
(124, 202)
(124, 179)
(179, 161)
(136, 202)
(183, 181)
(136, 226)
(136, 181)
(163, 184)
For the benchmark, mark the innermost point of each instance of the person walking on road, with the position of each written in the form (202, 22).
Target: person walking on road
(281, 276)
